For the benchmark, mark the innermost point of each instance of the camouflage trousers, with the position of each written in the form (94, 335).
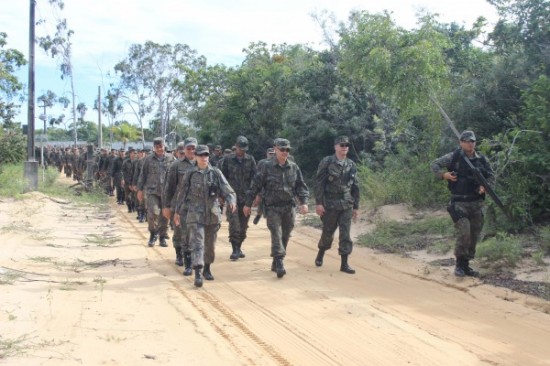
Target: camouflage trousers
(180, 238)
(157, 223)
(117, 183)
(129, 196)
(202, 239)
(333, 219)
(468, 228)
(280, 222)
(238, 224)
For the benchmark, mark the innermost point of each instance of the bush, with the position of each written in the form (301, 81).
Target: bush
(13, 147)
(500, 250)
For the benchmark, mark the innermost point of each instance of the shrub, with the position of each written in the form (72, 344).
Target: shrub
(503, 249)
(13, 147)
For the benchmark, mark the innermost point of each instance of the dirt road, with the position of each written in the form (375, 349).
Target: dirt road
(79, 286)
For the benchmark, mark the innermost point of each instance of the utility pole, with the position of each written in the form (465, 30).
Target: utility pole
(31, 165)
(100, 128)
(43, 135)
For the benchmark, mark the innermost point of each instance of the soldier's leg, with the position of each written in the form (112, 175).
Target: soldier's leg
(234, 233)
(210, 237)
(330, 223)
(288, 218)
(176, 242)
(153, 211)
(185, 245)
(243, 220)
(345, 244)
(196, 240)
(477, 220)
(274, 221)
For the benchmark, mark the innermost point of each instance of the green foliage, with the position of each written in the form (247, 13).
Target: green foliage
(10, 61)
(500, 250)
(400, 237)
(13, 147)
(12, 183)
(403, 179)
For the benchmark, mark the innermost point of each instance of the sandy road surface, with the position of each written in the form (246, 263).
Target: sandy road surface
(79, 286)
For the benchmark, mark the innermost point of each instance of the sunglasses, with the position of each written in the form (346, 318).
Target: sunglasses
(344, 145)
(284, 149)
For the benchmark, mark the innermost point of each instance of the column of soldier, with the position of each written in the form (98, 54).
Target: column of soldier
(189, 188)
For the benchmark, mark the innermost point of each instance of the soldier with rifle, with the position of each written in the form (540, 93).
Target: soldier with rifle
(469, 176)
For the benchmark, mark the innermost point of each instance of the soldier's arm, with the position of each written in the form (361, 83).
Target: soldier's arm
(319, 182)
(300, 188)
(440, 165)
(355, 193)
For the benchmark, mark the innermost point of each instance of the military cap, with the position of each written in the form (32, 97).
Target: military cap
(180, 146)
(122, 150)
(227, 151)
(218, 148)
(190, 141)
(282, 143)
(242, 143)
(271, 150)
(202, 150)
(158, 141)
(341, 140)
(467, 136)
(131, 150)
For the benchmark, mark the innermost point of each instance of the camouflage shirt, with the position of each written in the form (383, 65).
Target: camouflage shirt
(239, 173)
(336, 184)
(153, 173)
(174, 180)
(201, 189)
(279, 184)
(128, 171)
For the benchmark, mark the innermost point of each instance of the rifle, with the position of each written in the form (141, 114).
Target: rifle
(477, 174)
(483, 182)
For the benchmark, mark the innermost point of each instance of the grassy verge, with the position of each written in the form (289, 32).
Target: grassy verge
(12, 184)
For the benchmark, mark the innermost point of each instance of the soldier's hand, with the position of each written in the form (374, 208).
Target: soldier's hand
(303, 209)
(246, 210)
(450, 176)
(354, 215)
(140, 196)
(320, 210)
(167, 213)
(177, 221)
(257, 200)
(233, 208)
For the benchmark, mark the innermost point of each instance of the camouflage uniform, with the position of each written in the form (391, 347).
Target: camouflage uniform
(201, 190)
(239, 172)
(337, 189)
(280, 185)
(172, 191)
(466, 205)
(116, 174)
(151, 182)
(137, 166)
(127, 176)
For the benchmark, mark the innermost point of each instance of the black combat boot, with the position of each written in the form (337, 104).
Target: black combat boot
(459, 268)
(235, 254)
(344, 267)
(198, 276)
(319, 258)
(241, 254)
(163, 242)
(273, 266)
(280, 267)
(469, 271)
(179, 257)
(152, 238)
(138, 214)
(129, 208)
(142, 216)
(207, 274)
(187, 263)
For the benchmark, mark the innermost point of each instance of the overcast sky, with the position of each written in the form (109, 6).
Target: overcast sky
(217, 29)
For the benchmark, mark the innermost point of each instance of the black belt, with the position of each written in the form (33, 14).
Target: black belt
(465, 198)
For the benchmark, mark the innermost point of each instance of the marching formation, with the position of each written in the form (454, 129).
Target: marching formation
(189, 188)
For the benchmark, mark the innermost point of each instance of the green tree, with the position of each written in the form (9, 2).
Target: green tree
(125, 132)
(10, 86)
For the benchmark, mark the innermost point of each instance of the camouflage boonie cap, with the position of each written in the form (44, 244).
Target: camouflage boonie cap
(242, 143)
(158, 141)
(341, 140)
(467, 136)
(202, 150)
(282, 143)
(190, 141)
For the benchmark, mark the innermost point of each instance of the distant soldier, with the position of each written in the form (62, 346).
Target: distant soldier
(202, 186)
(216, 156)
(127, 177)
(174, 183)
(137, 165)
(117, 176)
(239, 169)
(151, 187)
(270, 153)
(337, 201)
(282, 183)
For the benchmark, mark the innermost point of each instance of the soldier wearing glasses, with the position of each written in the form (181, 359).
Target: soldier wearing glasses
(337, 201)
(467, 197)
(281, 183)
